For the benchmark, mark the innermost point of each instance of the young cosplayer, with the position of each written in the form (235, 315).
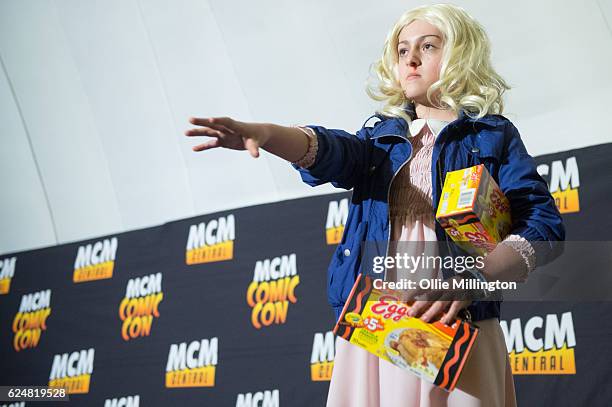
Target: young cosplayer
(442, 112)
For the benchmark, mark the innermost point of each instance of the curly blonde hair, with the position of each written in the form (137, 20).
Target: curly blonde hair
(467, 79)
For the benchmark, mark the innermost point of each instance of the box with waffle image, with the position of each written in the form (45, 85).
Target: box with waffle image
(378, 322)
(473, 210)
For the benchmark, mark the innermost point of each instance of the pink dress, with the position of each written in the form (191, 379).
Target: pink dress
(359, 378)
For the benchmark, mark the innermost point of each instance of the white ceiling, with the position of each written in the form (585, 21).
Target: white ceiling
(95, 96)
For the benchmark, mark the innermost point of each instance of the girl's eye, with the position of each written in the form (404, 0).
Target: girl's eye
(427, 46)
(402, 52)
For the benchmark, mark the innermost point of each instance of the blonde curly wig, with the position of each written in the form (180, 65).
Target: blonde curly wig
(467, 79)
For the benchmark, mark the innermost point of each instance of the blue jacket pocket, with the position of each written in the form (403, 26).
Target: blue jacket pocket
(345, 266)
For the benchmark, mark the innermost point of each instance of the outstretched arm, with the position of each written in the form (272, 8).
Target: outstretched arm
(333, 155)
(289, 143)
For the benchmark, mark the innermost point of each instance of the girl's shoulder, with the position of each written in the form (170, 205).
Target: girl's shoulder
(490, 127)
(491, 120)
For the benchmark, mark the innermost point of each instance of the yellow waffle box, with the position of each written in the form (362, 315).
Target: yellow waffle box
(473, 210)
(378, 322)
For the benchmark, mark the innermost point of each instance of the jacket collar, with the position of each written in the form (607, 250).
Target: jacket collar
(397, 127)
(435, 125)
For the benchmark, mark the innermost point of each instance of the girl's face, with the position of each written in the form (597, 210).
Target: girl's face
(419, 50)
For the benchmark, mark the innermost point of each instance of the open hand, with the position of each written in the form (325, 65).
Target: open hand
(228, 133)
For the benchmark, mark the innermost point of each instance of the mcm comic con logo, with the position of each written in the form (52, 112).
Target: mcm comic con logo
(192, 364)
(31, 319)
(322, 356)
(7, 272)
(541, 344)
(95, 261)
(140, 306)
(337, 213)
(272, 290)
(73, 371)
(211, 241)
(563, 183)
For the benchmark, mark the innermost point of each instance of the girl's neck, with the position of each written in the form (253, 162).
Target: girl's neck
(427, 112)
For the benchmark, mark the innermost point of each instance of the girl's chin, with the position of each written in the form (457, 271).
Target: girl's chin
(414, 97)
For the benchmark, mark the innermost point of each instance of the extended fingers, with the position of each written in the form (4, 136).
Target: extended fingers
(211, 144)
(203, 131)
(228, 134)
(220, 123)
(212, 130)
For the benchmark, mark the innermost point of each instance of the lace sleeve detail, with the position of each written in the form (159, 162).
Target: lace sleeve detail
(524, 248)
(309, 158)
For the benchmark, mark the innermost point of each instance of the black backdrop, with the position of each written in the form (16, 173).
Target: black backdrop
(284, 363)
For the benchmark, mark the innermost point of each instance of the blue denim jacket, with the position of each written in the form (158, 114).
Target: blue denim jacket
(367, 162)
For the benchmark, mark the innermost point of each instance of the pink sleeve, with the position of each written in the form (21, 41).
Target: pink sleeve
(309, 158)
(524, 248)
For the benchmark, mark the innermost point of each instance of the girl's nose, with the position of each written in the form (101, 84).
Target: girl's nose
(413, 59)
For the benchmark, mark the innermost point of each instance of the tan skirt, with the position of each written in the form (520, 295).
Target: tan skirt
(360, 379)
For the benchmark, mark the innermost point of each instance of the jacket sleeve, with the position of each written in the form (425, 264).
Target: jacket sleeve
(340, 158)
(535, 216)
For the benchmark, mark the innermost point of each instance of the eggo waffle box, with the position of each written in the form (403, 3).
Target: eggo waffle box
(377, 321)
(473, 210)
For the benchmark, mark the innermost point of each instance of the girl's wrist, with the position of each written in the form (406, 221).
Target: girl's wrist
(263, 131)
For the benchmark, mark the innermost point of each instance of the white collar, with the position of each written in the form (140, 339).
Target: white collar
(435, 125)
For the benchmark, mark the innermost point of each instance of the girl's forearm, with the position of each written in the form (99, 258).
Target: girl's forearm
(289, 143)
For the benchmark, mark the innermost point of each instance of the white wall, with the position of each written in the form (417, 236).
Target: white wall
(95, 96)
